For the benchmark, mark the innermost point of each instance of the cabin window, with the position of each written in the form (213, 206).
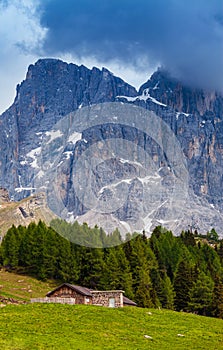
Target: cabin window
(111, 302)
(87, 300)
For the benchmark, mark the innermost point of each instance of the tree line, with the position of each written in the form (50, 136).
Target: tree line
(179, 273)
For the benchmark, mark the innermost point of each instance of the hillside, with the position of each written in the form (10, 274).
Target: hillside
(163, 271)
(55, 326)
(21, 287)
(31, 209)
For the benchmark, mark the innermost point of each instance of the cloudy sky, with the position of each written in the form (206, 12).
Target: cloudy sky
(129, 37)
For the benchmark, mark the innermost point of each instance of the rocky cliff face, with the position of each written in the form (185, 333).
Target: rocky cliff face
(196, 117)
(53, 89)
(198, 125)
(181, 98)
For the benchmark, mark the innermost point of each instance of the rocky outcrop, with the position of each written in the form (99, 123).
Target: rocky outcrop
(8, 301)
(30, 209)
(4, 196)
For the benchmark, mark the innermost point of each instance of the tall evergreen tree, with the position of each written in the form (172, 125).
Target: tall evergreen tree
(167, 250)
(220, 251)
(92, 267)
(167, 293)
(212, 261)
(144, 291)
(68, 267)
(11, 247)
(182, 285)
(117, 274)
(217, 302)
(142, 261)
(201, 295)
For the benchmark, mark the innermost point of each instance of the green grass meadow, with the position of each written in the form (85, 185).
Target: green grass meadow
(55, 326)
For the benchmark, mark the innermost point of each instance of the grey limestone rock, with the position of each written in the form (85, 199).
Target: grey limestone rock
(53, 89)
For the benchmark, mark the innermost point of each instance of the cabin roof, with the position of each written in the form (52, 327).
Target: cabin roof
(81, 290)
(107, 291)
(127, 301)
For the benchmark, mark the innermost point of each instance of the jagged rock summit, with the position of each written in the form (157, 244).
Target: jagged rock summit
(53, 89)
(183, 98)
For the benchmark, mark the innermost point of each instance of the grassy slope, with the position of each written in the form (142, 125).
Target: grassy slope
(23, 287)
(55, 326)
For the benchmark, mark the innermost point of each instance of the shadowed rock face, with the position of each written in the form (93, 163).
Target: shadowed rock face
(182, 98)
(52, 89)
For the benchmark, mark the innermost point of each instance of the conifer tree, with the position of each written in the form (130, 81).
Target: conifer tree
(92, 267)
(201, 295)
(182, 285)
(11, 247)
(167, 250)
(144, 290)
(211, 260)
(68, 268)
(217, 302)
(27, 246)
(167, 293)
(111, 274)
(157, 287)
(220, 251)
(142, 261)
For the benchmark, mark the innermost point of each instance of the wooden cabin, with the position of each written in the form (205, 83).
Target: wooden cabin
(83, 295)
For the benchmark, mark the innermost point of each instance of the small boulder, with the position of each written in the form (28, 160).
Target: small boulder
(148, 337)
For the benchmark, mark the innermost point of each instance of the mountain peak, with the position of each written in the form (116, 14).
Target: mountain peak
(182, 98)
(66, 85)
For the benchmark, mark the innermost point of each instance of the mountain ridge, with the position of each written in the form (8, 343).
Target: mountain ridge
(53, 89)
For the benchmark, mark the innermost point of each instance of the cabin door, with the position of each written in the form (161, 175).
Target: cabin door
(111, 302)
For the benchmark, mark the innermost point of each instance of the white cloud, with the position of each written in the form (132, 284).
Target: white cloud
(21, 40)
(19, 25)
(21, 37)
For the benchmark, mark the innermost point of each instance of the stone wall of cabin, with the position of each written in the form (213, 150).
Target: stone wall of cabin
(102, 298)
(66, 292)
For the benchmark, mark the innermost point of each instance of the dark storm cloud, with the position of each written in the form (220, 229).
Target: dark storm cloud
(186, 37)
